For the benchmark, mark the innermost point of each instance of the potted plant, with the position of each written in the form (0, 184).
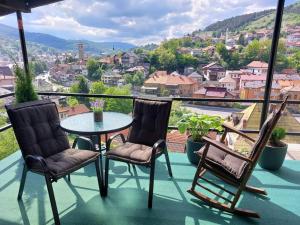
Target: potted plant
(24, 90)
(197, 126)
(274, 153)
(97, 107)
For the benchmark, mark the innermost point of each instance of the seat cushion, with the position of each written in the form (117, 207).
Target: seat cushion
(224, 161)
(131, 152)
(68, 160)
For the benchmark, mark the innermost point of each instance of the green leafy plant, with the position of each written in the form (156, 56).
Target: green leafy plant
(199, 125)
(277, 135)
(24, 88)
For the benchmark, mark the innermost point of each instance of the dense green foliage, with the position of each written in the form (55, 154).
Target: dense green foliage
(8, 142)
(198, 125)
(24, 91)
(167, 57)
(38, 67)
(257, 50)
(277, 135)
(95, 69)
(234, 23)
(136, 79)
(177, 113)
(256, 20)
(113, 104)
(81, 86)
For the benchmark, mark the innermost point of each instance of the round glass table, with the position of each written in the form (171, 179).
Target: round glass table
(84, 124)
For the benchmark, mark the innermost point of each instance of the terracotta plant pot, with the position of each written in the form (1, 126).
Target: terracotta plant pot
(98, 116)
(272, 157)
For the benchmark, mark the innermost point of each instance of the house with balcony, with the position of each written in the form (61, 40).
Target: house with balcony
(213, 71)
(228, 83)
(257, 67)
(129, 59)
(111, 78)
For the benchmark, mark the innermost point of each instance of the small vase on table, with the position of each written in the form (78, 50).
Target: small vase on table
(97, 108)
(98, 116)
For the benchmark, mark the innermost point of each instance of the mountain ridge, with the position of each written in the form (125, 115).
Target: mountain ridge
(247, 21)
(65, 44)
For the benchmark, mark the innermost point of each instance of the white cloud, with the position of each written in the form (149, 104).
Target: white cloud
(71, 26)
(135, 21)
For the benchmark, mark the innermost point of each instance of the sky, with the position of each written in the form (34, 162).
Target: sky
(135, 21)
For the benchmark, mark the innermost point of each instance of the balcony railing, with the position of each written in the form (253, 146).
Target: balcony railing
(183, 99)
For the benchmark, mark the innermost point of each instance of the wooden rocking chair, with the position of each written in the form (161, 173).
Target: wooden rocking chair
(232, 167)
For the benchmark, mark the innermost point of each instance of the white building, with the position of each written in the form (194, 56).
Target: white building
(228, 83)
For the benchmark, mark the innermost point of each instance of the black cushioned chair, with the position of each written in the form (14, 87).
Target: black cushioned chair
(232, 167)
(146, 140)
(45, 147)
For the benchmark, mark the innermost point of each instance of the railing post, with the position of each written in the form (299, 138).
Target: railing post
(272, 61)
(23, 42)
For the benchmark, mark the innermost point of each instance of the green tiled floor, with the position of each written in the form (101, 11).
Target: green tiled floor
(80, 202)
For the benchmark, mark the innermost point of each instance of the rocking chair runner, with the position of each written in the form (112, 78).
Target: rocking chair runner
(232, 167)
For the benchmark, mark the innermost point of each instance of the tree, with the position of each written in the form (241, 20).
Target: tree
(184, 60)
(38, 67)
(167, 60)
(72, 102)
(81, 86)
(24, 90)
(95, 69)
(294, 60)
(115, 104)
(98, 88)
(70, 59)
(136, 79)
(251, 52)
(241, 40)
(223, 52)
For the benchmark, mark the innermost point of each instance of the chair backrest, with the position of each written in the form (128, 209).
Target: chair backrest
(150, 121)
(266, 130)
(37, 128)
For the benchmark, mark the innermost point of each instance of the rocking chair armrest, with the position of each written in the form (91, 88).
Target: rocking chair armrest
(234, 130)
(113, 137)
(161, 143)
(226, 149)
(88, 140)
(30, 159)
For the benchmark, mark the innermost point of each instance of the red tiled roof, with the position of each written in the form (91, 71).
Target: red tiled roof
(253, 77)
(216, 94)
(258, 64)
(71, 111)
(162, 78)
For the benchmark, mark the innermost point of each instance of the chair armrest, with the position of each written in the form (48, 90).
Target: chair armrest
(88, 140)
(159, 144)
(234, 130)
(226, 149)
(30, 159)
(113, 137)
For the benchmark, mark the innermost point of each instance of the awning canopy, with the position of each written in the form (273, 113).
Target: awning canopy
(11, 6)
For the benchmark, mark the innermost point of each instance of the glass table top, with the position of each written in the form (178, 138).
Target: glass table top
(85, 124)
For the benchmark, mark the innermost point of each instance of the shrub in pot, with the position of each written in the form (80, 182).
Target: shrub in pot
(197, 126)
(24, 90)
(275, 151)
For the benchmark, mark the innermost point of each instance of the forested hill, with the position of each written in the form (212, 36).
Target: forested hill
(263, 19)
